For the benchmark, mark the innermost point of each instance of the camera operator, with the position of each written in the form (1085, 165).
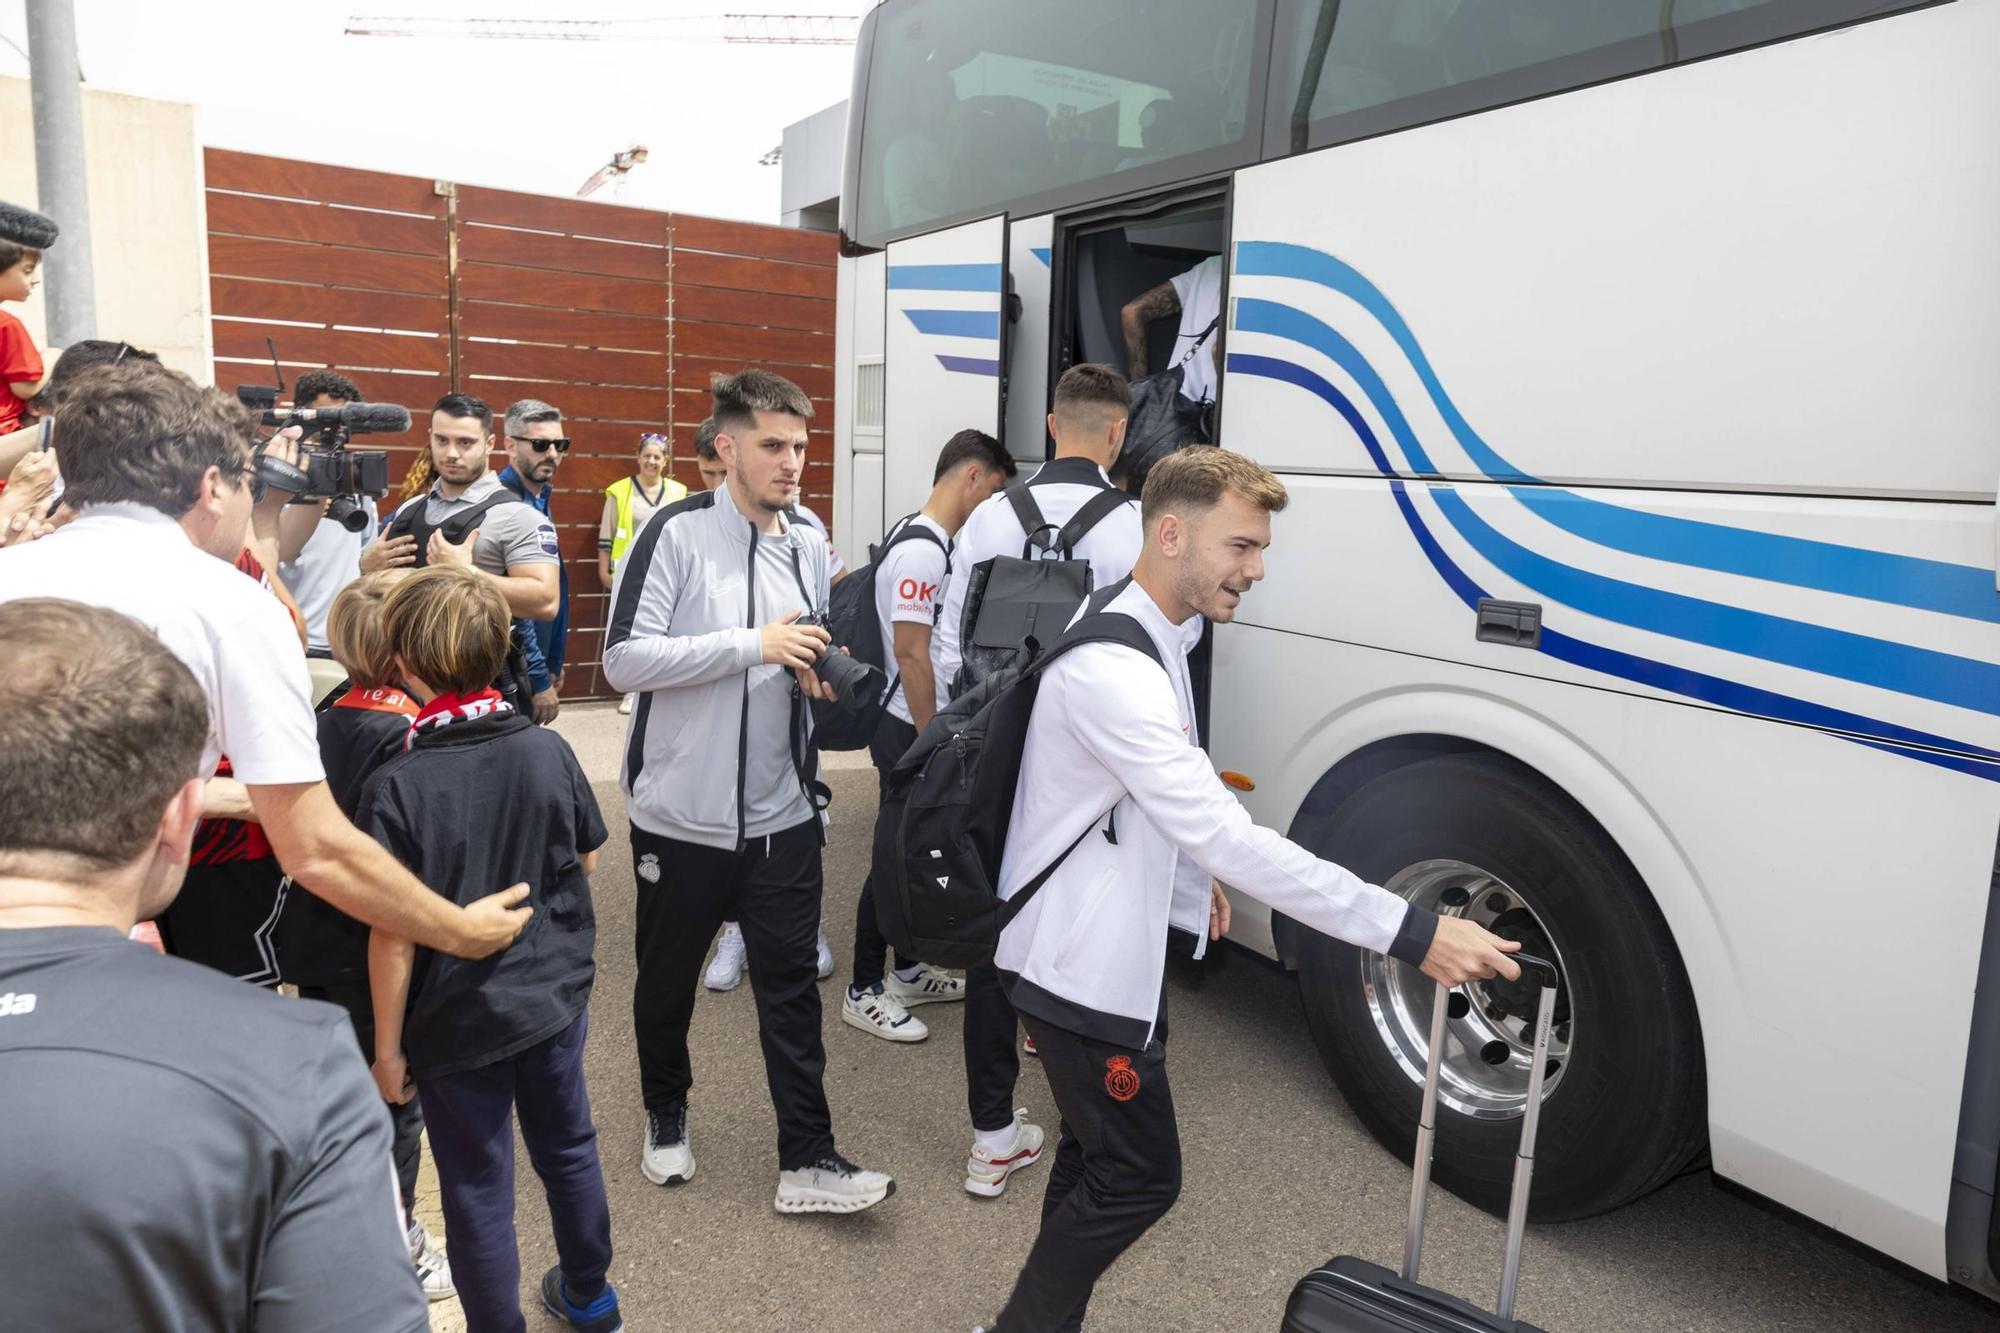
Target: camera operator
(318, 556)
(702, 622)
(160, 472)
(469, 519)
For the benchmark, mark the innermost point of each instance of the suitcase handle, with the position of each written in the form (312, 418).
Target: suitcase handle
(1524, 1158)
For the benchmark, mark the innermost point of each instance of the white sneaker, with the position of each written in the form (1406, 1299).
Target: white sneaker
(878, 1012)
(668, 1158)
(433, 1269)
(825, 957)
(725, 970)
(831, 1185)
(625, 705)
(932, 986)
(1028, 1047)
(986, 1172)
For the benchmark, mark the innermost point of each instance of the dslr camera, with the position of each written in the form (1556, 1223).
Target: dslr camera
(855, 683)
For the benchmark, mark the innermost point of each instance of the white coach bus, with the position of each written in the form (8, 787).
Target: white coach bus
(1634, 366)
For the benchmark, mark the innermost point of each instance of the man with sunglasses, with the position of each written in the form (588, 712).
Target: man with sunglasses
(469, 519)
(536, 447)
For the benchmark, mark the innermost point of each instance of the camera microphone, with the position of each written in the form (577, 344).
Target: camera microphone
(354, 418)
(24, 226)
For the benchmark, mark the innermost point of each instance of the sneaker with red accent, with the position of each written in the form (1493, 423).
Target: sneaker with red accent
(986, 1172)
(1028, 1047)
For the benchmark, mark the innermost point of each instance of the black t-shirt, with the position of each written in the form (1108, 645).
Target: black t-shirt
(185, 1153)
(318, 944)
(472, 808)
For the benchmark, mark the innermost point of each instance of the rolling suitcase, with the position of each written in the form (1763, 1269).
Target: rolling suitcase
(1350, 1295)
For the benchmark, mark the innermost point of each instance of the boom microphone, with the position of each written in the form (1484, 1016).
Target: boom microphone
(24, 226)
(354, 418)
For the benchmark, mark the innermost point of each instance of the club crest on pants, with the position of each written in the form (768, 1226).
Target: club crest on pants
(1120, 1079)
(649, 868)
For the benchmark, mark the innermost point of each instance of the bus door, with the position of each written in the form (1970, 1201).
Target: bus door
(945, 347)
(1030, 276)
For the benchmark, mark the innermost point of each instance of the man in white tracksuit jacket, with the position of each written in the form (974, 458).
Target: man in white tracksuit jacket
(724, 821)
(1112, 744)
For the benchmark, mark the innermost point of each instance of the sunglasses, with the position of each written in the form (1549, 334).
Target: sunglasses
(560, 445)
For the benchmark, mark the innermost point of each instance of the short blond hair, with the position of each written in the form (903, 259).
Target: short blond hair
(450, 627)
(355, 631)
(1191, 481)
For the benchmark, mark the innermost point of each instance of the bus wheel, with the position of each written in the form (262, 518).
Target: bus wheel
(1483, 837)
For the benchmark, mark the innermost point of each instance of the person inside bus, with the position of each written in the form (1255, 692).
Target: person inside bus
(1195, 296)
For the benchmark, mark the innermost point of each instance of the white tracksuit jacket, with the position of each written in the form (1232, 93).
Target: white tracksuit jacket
(1114, 735)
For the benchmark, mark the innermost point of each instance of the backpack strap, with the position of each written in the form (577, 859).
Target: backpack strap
(1095, 625)
(1200, 338)
(411, 520)
(1086, 518)
(1029, 515)
(908, 529)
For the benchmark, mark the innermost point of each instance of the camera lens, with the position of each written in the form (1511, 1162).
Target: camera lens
(855, 682)
(343, 510)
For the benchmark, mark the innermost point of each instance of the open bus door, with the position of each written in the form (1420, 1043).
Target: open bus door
(945, 349)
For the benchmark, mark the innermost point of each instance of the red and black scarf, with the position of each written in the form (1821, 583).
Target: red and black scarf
(449, 708)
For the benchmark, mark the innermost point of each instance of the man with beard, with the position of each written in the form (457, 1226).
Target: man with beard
(536, 447)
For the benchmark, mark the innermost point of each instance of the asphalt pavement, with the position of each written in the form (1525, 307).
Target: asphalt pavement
(1279, 1175)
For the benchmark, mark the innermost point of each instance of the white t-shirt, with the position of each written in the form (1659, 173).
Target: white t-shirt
(327, 563)
(909, 588)
(835, 566)
(232, 634)
(1200, 292)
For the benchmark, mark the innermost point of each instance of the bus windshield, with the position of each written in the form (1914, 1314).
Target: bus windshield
(970, 107)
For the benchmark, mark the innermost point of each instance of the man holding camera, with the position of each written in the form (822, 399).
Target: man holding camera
(160, 471)
(318, 555)
(704, 624)
(536, 447)
(469, 519)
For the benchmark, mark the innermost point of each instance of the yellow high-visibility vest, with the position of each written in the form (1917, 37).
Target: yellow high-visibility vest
(620, 492)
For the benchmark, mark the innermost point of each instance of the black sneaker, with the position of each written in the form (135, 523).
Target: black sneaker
(600, 1316)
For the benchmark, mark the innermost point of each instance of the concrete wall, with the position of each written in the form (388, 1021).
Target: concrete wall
(809, 196)
(150, 234)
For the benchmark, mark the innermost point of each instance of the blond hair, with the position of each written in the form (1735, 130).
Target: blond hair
(1191, 481)
(450, 627)
(356, 633)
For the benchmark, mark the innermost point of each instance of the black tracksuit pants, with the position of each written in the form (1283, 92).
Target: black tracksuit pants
(771, 888)
(892, 737)
(1117, 1171)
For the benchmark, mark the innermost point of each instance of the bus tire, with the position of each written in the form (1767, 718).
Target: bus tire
(1620, 1117)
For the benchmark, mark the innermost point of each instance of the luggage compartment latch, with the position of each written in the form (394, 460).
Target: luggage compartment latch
(1515, 624)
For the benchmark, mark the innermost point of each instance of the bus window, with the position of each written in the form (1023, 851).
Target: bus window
(972, 108)
(1346, 69)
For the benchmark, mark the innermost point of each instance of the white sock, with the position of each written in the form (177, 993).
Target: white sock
(909, 975)
(998, 1142)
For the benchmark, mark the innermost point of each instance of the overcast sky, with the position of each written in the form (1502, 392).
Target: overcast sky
(278, 76)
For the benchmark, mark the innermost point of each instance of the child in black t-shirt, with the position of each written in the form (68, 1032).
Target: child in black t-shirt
(483, 792)
(322, 950)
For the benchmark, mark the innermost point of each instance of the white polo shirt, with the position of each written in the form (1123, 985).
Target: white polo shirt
(230, 632)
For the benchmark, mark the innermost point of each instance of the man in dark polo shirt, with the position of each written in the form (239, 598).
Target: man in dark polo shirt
(190, 1153)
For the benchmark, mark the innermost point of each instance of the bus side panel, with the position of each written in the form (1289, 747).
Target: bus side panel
(858, 379)
(1773, 270)
(1029, 261)
(1826, 896)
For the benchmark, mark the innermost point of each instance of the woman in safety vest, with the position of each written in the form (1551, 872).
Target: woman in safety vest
(629, 503)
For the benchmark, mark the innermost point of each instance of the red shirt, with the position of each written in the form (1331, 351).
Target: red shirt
(20, 363)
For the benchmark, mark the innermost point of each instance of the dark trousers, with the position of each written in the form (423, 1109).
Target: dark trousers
(992, 1059)
(223, 918)
(406, 1122)
(470, 1116)
(771, 889)
(892, 737)
(1117, 1171)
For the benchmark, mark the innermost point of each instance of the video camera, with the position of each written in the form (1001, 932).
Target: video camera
(327, 468)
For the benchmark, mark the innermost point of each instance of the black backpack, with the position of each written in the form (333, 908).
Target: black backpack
(952, 797)
(1012, 606)
(514, 682)
(855, 624)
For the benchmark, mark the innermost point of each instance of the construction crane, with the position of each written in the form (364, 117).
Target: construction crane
(750, 29)
(614, 171)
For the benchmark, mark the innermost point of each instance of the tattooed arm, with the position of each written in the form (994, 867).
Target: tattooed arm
(1138, 316)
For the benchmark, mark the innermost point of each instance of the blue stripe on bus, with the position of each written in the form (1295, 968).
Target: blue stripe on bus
(944, 277)
(957, 323)
(1043, 253)
(1733, 695)
(969, 365)
(1912, 581)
